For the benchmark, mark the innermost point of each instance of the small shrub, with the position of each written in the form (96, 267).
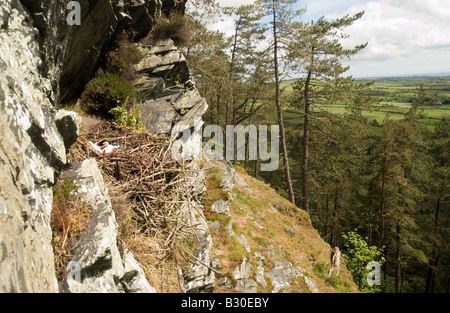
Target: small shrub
(320, 269)
(175, 27)
(106, 92)
(122, 57)
(261, 241)
(357, 254)
(335, 280)
(128, 119)
(236, 254)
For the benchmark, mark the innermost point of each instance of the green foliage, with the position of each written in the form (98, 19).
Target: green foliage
(320, 268)
(261, 241)
(65, 188)
(357, 255)
(128, 119)
(106, 92)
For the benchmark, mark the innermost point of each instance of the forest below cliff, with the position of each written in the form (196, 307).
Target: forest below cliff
(369, 160)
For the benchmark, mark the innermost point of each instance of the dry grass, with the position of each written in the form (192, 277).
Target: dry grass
(69, 218)
(261, 215)
(175, 27)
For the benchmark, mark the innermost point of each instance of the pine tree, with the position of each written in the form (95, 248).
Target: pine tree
(435, 221)
(282, 14)
(315, 49)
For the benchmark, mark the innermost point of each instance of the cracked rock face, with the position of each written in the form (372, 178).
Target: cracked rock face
(63, 48)
(32, 152)
(199, 277)
(170, 101)
(103, 268)
(41, 57)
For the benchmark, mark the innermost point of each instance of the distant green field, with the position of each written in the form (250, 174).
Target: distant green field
(396, 96)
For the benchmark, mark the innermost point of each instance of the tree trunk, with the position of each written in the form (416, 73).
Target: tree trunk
(385, 265)
(397, 261)
(305, 163)
(247, 145)
(326, 218)
(431, 275)
(334, 223)
(278, 104)
(370, 217)
(382, 205)
(230, 74)
(235, 143)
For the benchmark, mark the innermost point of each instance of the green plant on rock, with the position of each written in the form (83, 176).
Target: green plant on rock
(65, 188)
(128, 119)
(68, 219)
(106, 92)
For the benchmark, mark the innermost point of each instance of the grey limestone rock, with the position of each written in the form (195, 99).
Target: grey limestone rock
(224, 282)
(199, 278)
(282, 275)
(170, 103)
(103, 268)
(259, 260)
(164, 60)
(221, 207)
(32, 153)
(68, 124)
(289, 230)
(242, 274)
(158, 115)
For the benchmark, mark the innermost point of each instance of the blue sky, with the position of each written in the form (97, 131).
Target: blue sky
(405, 37)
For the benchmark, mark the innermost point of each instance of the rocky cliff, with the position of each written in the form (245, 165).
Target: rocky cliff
(245, 237)
(43, 59)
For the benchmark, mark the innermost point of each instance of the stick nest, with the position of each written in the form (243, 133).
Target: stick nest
(147, 188)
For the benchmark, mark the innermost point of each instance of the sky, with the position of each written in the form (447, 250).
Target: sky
(405, 37)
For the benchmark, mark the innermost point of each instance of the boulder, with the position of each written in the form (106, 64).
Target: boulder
(198, 277)
(68, 124)
(170, 101)
(259, 261)
(158, 115)
(242, 274)
(283, 273)
(221, 207)
(164, 60)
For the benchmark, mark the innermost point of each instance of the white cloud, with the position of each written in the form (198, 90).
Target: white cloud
(404, 36)
(225, 24)
(402, 30)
